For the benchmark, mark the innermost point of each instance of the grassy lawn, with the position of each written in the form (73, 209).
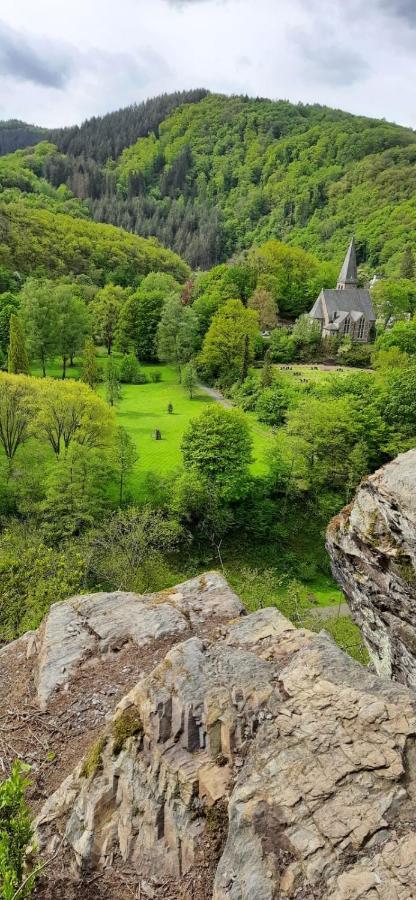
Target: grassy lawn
(144, 408)
(314, 373)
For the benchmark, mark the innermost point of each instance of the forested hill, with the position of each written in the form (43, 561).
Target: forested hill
(45, 231)
(213, 177)
(101, 137)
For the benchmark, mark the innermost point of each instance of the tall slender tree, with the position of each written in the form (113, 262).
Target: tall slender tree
(90, 370)
(18, 361)
(39, 312)
(112, 382)
(407, 268)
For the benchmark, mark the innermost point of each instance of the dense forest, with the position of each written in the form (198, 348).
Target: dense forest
(210, 176)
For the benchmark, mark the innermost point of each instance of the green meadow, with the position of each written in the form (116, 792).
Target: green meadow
(143, 409)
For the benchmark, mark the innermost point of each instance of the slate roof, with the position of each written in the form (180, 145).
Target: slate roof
(348, 274)
(349, 300)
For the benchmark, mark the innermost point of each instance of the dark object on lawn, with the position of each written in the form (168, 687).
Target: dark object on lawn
(170, 409)
(158, 435)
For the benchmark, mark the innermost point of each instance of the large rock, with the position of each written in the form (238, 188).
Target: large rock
(269, 737)
(91, 626)
(372, 545)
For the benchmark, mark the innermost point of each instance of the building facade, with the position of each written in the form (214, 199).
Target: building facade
(346, 311)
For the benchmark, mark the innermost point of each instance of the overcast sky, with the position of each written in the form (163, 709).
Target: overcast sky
(61, 62)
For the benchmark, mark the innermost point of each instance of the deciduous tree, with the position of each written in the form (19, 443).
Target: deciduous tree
(112, 382)
(190, 379)
(218, 444)
(263, 302)
(70, 411)
(73, 323)
(225, 346)
(177, 333)
(105, 313)
(40, 315)
(16, 412)
(124, 457)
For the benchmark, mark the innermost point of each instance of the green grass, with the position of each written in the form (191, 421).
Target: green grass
(144, 408)
(324, 591)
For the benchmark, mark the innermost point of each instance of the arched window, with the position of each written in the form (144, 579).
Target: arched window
(346, 326)
(361, 329)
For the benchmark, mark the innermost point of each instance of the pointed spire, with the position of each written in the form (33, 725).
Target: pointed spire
(348, 276)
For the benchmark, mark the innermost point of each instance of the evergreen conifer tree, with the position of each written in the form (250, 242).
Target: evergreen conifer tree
(89, 366)
(407, 269)
(18, 362)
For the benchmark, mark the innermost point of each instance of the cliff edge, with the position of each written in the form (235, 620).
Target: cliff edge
(372, 545)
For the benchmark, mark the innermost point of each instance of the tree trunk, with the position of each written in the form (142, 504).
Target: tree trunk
(64, 367)
(71, 361)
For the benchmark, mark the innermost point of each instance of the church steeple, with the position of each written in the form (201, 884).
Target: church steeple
(348, 276)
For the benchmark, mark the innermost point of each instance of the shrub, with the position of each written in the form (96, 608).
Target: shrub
(247, 393)
(272, 405)
(282, 346)
(358, 355)
(155, 376)
(129, 370)
(16, 835)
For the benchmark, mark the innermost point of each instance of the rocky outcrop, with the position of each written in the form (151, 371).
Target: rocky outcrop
(372, 545)
(257, 762)
(93, 626)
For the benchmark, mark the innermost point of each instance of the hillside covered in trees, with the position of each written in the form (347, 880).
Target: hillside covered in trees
(210, 176)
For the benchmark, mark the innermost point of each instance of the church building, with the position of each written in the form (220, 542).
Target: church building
(346, 311)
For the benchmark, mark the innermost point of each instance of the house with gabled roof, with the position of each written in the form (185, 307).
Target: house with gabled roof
(346, 311)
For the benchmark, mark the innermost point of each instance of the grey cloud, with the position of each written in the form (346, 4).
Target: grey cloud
(34, 60)
(402, 9)
(327, 59)
(53, 64)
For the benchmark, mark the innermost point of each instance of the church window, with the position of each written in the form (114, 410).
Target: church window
(346, 326)
(361, 327)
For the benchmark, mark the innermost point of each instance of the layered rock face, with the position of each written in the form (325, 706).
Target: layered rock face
(183, 751)
(372, 545)
(299, 762)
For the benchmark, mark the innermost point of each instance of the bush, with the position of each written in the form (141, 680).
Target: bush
(358, 355)
(16, 835)
(33, 576)
(246, 394)
(282, 346)
(155, 376)
(130, 372)
(272, 405)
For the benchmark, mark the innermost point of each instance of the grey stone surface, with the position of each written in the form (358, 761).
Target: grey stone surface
(310, 757)
(372, 545)
(90, 626)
